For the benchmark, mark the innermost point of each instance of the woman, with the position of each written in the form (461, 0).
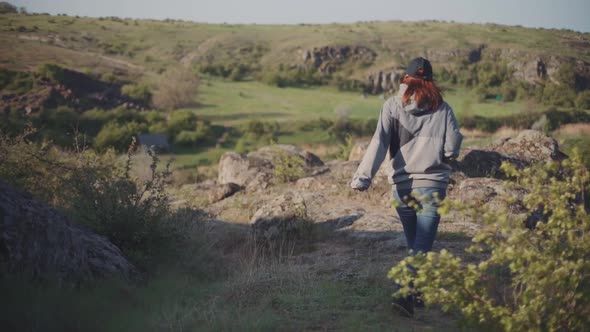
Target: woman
(422, 135)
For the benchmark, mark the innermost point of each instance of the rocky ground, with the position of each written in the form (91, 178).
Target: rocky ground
(323, 236)
(358, 234)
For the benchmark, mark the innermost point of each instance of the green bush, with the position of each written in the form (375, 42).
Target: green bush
(179, 121)
(132, 215)
(139, 92)
(287, 168)
(556, 95)
(259, 130)
(508, 92)
(558, 118)
(344, 127)
(583, 100)
(17, 82)
(97, 191)
(117, 136)
(7, 8)
(52, 72)
(201, 135)
(526, 279)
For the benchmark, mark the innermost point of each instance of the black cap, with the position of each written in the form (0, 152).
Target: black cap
(415, 66)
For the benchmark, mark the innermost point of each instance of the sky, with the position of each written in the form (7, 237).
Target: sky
(560, 14)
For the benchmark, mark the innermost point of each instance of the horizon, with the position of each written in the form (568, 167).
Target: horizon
(539, 14)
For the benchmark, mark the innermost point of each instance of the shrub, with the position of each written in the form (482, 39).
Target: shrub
(179, 121)
(132, 215)
(18, 82)
(52, 72)
(583, 100)
(97, 191)
(140, 92)
(117, 136)
(7, 8)
(527, 279)
(258, 130)
(202, 134)
(287, 167)
(344, 127)
(177, 88)
(508, 92)
(557, 95)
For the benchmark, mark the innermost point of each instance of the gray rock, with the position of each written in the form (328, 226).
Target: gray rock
(242, 170)
(281, 217)
(255, 170)
(223, 191)
(358, 151)
(530, 146)
(37, 240)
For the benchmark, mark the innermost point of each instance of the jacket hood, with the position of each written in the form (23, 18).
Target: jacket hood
(412, 106)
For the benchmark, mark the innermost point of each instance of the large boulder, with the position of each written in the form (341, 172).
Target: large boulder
(256, 169)
(530, 146)
(246, 171)
(280, 218)
(223, 191)
(37, 240)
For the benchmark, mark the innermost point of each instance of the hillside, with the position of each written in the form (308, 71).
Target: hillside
(135, 47)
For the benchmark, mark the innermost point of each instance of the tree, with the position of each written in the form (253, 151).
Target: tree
(7, 8)
(177, 88)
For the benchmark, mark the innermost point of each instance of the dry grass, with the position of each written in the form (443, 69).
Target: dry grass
(574, 129)
(504, 132)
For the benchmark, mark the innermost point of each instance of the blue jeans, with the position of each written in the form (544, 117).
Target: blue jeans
(420, 225)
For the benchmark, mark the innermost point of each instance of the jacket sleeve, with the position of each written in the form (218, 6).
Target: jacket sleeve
(453, 137)
(376, 151)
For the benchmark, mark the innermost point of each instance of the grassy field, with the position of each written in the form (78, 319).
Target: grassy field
(235, 103)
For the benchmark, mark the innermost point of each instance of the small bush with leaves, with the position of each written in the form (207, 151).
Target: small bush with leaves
(95, 190)
(131, 214)
(118, 136)
(52, 72)
(527, 279)
(287, 167)
(139, 92)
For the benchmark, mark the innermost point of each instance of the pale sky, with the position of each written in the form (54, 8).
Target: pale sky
(561, 14)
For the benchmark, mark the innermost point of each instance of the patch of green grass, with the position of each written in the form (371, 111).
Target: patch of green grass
(176, 302)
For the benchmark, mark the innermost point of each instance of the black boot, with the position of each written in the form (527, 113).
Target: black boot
(404, 305)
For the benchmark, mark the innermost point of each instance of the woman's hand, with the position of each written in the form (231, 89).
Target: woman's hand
(360, 184)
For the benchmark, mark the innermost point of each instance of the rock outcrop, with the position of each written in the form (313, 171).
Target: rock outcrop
(37, 240)
(223, 191)
(328, 59)
(385, 80)
(280, 218)
(528, 147)
(255, 170)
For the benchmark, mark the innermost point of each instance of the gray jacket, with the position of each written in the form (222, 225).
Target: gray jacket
(420, 143)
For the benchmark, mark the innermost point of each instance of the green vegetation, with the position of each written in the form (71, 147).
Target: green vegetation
(287, 168)
(533, 278)
(7, 8)
(15, 82)
(140, 92)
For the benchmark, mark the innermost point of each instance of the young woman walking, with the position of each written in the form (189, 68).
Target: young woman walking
(422, 135)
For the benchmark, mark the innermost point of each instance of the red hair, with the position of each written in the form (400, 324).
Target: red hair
(426, 93)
